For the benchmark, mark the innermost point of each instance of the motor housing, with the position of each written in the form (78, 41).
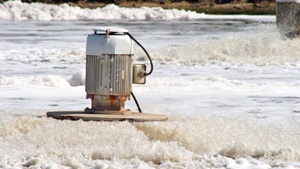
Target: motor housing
(109, 69)
(110, 73)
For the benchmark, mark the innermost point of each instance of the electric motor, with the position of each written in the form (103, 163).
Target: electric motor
(109, 55)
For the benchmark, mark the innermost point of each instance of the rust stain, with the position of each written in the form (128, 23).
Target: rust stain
(90, 96)
(112, 100)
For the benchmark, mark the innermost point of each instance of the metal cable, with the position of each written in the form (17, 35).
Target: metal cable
(136, 102)
(146, 74)
(151, 69)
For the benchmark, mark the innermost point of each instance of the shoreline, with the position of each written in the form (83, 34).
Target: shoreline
(263, 8)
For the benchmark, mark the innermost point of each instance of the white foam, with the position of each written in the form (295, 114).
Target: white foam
(204, 80)
(78, 79)
(259, 48)
(16, 10)
(232, 102)
(45, 80)
(37, 55)
(181, 142)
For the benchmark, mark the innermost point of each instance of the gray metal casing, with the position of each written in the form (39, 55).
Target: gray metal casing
(109, 64)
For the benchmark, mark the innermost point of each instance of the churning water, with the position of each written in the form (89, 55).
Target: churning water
(230, 86)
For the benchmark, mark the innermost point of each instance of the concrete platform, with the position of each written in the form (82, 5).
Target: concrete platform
(287, 18)
(81, 115)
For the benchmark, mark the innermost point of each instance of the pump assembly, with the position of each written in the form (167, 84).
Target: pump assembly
(110, 74)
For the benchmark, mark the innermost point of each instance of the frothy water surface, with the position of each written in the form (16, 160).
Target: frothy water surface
(229, 85)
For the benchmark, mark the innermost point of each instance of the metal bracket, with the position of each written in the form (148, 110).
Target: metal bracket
(139, 71)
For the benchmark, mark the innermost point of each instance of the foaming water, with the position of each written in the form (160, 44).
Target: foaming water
(29, 140)
(46, 80)
(78, 79)
(16, 10)
(227, 136)
(260, 48)
(257, 49)
(229, 86)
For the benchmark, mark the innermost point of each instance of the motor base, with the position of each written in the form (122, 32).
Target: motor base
(120, 112)
(82, 115)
